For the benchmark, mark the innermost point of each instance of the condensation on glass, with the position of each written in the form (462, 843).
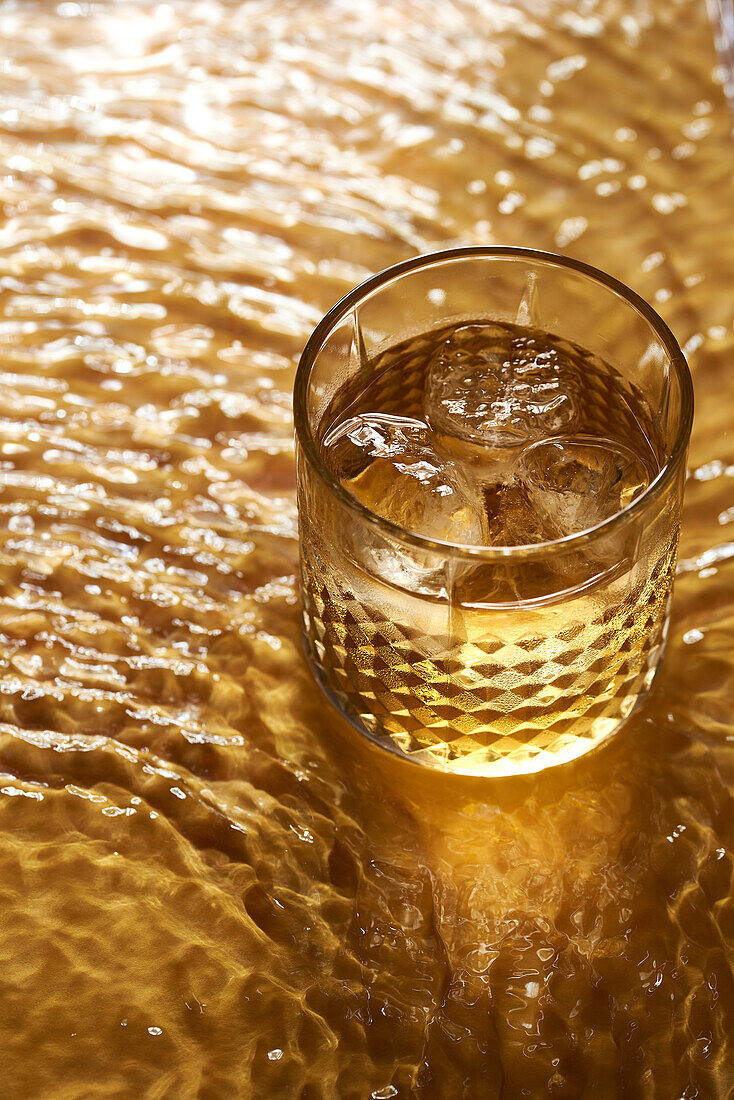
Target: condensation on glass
(474, 658)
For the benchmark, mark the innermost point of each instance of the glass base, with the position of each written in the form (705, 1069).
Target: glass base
(493, 762)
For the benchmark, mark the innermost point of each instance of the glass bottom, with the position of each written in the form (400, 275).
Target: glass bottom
(485, 693)
(503, 756)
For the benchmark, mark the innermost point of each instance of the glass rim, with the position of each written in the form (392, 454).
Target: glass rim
(567, 543)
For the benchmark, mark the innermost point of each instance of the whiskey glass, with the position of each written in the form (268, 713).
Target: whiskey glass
(487, 659)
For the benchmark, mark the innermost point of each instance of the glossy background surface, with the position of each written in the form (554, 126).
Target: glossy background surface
(210, 887)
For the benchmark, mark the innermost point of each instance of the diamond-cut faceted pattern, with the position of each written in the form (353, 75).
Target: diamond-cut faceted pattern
(484, 705)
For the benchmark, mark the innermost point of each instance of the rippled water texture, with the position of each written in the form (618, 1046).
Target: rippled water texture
(209, 886)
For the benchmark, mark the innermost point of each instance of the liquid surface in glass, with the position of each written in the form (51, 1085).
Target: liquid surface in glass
(489, 433)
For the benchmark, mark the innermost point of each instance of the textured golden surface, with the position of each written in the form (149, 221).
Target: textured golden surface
(211, 887)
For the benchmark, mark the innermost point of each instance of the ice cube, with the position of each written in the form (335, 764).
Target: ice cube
(573, 483)
(390, 464)
(491, 386)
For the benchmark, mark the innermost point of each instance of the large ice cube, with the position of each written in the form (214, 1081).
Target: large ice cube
(573, 483)
(390, 464)
(492, 387)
